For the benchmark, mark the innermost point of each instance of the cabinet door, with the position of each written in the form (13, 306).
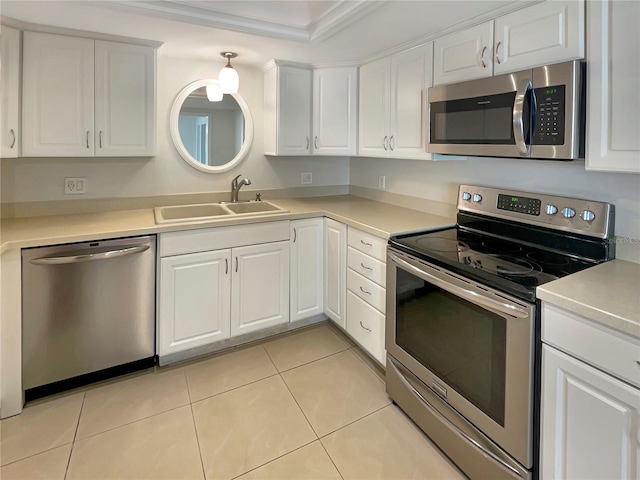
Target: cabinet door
(307, 268)
(10, 86)
(590, 422)
(613, 96)
(335, 271)
(124, 100)
(260, 287)
(57, 96)
(374, 106)
(546, 33)
(410, 78)
(335, 102)
(463, 55)
(195, 299)
(294, 111)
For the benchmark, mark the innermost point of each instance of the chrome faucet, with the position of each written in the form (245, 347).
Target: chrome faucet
(236, 185)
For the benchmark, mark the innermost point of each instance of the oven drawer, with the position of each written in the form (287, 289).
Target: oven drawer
(366, 325)
(370, 292)
(367, 243)
(611, 351)
(367, 266)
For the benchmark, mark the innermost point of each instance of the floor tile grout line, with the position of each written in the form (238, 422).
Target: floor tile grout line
(331, 458)
(186, 381)
(75, 434)
(195, 428)
(235, 388)
(133, 421)
(276, 458)
(312, 361)
(355, 421)
(298, 404)
(35, 454)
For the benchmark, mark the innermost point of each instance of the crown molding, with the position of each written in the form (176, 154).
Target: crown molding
(332, 21)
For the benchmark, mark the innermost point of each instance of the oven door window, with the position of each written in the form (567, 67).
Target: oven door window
(460, 342)
(479, 120)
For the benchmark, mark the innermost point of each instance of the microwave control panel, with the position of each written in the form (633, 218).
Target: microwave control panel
(549, 121)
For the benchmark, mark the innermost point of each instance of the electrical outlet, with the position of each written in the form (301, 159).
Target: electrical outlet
(75, 186)
(382, 182)
(306, 178)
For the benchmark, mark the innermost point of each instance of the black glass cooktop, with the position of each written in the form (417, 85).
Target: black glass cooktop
(514, 267)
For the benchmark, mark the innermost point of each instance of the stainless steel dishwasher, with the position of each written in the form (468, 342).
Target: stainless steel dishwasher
(88, 312)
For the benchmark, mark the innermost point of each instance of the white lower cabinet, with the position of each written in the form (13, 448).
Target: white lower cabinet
(217, 283)
(307, 265)
(195, 300)
(335, 271)
(259, 287)
(590, 414)
(365, 324)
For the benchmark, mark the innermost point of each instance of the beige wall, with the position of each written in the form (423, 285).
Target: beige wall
(42, 179)
(439, 181)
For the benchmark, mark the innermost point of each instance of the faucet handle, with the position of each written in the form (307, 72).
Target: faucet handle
(234, 182)
(258, 197)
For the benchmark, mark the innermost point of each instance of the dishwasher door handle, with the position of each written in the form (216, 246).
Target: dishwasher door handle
(90, 257)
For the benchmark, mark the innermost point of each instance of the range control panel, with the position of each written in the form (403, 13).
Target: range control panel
(562, 213)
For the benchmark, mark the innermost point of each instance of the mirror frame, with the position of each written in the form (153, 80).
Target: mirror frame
(177, 140)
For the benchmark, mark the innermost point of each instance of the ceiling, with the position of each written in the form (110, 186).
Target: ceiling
(316, 32)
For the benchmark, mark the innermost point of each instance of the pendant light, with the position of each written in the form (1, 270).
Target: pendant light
(214, 93)
(228, 78)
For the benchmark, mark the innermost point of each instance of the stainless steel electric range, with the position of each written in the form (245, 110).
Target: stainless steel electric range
(463, 322)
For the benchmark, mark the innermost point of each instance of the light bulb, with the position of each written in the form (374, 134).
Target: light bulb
(229, 80)
(214, 93)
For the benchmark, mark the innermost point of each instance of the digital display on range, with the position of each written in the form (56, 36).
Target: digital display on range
(529, 206)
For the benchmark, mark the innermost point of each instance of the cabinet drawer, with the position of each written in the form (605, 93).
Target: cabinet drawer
(206, 239)
(367, 266)
(597, 345)
(370, 292)
(366, 243)
(366, 325)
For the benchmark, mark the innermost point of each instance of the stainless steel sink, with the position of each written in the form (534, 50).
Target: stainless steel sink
(190, 213)
(212, 211)
(253, 207)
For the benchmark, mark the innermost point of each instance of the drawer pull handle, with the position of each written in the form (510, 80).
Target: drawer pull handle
(365, 267)
(365, 243)
(367, 329)
(364, 291)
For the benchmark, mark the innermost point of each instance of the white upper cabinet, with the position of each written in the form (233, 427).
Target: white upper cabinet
(463, 55)
(335, 110)
(125, 106)
(307, 276)
(393, 105)
(85, 98)
(613, 96)
(545, 33)
(10, 92)
(542, 34)
(287, 110)
(57, 96)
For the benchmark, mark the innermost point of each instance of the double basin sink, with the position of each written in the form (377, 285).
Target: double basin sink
(212, 211)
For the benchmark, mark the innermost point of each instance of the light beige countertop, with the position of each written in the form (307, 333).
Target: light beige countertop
(608, 293)
(377, 218)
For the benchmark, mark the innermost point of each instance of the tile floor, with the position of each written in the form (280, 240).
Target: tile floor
(307, 405)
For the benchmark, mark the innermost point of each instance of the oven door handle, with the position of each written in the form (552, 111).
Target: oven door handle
(470, 295)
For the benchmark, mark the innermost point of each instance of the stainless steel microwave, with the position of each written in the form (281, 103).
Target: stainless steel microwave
(536, 113)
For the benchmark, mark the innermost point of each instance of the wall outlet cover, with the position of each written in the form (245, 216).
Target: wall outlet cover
(306, 178)
(382, 182)
(75, 186)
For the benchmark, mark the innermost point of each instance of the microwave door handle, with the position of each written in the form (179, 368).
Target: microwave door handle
(524, 149)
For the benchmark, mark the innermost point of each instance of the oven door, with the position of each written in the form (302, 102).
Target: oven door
(470, 345)
(486, 117)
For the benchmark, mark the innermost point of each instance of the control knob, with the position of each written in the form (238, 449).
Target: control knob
(588, 216)
(551, 209)
(477, 197)
(568, 212)
(466, 196)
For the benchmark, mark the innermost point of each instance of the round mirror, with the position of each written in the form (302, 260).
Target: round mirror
(211, 136)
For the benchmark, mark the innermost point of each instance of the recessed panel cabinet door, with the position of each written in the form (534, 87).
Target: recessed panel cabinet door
(195, 300)
(590, 422)
(307, 268)
(335, 271)
(374, 106)
(294, 111)
(124, 99)
(57, 96)
(260, 287)
(10, 90)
